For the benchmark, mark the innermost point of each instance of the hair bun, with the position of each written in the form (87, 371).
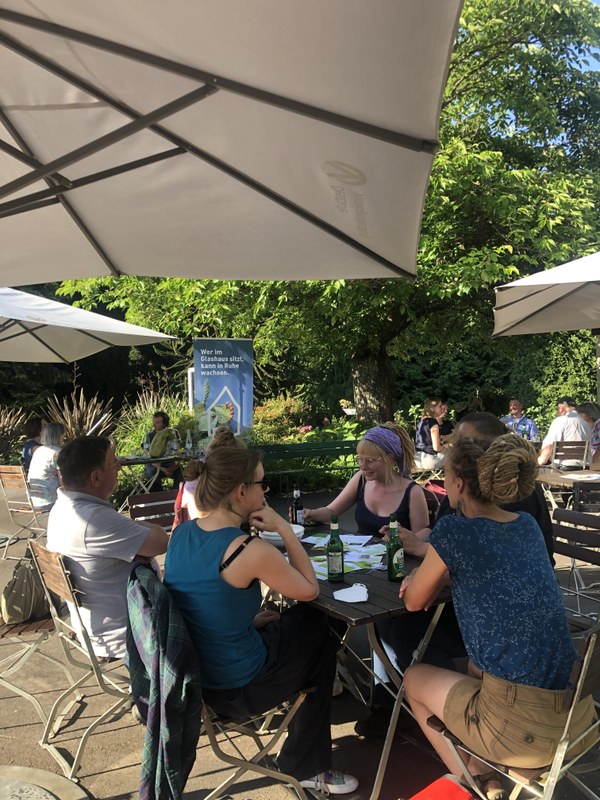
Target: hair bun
(507, 470)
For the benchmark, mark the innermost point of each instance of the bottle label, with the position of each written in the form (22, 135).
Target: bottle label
(398, 562)
(335, 563)
(299, 516)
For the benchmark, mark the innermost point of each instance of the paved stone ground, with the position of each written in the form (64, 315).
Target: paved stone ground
(111, 763)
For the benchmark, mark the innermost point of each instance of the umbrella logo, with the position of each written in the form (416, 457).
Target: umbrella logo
(344, 173)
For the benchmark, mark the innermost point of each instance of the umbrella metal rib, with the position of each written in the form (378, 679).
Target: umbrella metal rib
(51, 181)
(107, 140)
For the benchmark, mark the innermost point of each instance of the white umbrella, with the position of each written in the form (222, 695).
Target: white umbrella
(36, 329)
(247, 139)
(565, 298)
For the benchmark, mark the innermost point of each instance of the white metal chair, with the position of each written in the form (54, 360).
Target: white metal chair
(77, 653)
(17, 497)
(28, 637)
(544, 783)
(577, 453)
(577, 536)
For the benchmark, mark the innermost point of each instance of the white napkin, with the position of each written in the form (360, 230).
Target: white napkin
(353, 594)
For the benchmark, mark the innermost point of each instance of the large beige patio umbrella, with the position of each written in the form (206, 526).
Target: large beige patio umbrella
(565, 298)
(35, 329)
(250, 139)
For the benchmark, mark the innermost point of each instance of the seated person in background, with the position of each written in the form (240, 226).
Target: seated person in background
(33, 431)
(158, 439)
(511, 615)
(99, 544)
(382, 486)
(252, 660)
(519, 423)
(590, 413)
(567, 426)
(427, 436)
(43, 476)
(446, 426)
(223, 437)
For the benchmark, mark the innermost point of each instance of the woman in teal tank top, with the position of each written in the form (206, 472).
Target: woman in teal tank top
(252, 659)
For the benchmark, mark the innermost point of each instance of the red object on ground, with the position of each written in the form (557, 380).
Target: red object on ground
(445, 788)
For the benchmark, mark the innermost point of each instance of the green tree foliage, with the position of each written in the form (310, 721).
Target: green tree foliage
(514, 190)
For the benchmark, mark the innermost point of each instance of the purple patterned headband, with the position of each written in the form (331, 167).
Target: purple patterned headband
(390, 443)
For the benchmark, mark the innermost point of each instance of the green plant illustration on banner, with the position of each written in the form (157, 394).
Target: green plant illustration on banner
(209, 419)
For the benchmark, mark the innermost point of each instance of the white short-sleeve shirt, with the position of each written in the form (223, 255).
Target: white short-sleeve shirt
(99, 546)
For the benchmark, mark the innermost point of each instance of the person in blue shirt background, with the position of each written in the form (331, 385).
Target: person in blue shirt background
(516, 421)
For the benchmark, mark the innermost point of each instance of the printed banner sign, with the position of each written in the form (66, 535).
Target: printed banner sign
(223, 383)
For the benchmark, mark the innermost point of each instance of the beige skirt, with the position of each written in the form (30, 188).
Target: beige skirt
(512, 724)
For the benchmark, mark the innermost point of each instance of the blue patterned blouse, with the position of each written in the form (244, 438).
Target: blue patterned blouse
(508, 603)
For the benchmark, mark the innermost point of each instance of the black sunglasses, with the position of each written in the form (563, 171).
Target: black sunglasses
(264, 484)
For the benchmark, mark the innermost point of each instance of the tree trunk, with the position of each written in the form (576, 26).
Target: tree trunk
(372, 379)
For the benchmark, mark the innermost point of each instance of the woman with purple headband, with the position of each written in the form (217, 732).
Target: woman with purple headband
(382, 486)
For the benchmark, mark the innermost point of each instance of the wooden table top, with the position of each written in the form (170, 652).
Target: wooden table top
(383, 596)
(566, 478)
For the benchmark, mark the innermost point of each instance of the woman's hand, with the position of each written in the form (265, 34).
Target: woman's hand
(266, 519)
(265, 617)
(412, 544)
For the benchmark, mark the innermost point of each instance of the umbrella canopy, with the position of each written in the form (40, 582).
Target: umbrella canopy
(238, 140)
(36, 329)
(565, 298)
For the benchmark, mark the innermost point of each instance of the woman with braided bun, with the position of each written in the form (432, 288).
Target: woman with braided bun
(510, 612)
(382, 486)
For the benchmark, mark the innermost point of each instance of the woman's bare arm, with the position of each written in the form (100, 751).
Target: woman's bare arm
(420, 589)
(345, 500)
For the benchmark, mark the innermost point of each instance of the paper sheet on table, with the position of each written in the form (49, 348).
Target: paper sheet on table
(577, 476)
(347, 538)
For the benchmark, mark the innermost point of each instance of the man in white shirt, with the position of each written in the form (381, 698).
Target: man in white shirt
(99, 544)
(566, 427)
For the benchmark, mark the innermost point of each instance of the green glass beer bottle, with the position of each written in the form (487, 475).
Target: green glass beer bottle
(335, 553)
(395, 552)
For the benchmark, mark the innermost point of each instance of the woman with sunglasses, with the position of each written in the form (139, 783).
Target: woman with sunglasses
(250, 659)
(382, 486)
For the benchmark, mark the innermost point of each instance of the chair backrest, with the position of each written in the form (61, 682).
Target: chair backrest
(12, 477)
(586, 497)
(576, 535)
(155, 507)
(53, 573)
(433, 504)
(570, 451)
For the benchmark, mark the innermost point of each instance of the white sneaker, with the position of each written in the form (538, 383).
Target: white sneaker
(332, 781)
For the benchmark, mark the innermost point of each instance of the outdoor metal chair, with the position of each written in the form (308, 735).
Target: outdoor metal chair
(155, 624)
(78, 652)
(575, 452)
(17, 497)
(28, 637)
(157, 508)
(585, 682)
(577, 536)
(586, 497)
